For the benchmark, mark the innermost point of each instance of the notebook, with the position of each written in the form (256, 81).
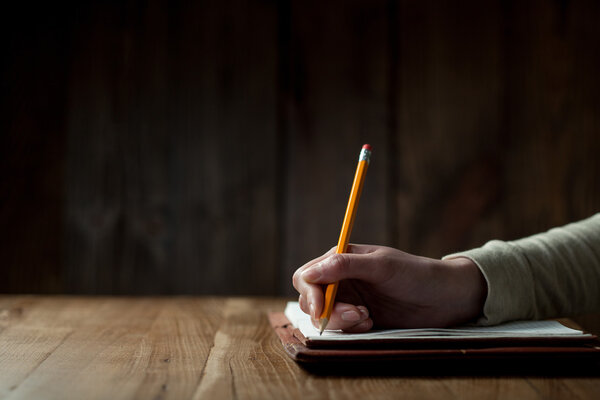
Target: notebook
(528, 346)
(550, 329)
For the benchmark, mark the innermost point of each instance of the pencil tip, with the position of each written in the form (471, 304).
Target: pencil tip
(322, 324)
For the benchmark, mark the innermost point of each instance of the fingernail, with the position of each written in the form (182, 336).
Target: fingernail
(350, 316)
(363, 311)
(312, 310)
(313, 273)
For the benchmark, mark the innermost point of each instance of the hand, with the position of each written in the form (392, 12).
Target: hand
(387, 288)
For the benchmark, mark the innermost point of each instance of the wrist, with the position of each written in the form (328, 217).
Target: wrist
(468, 289)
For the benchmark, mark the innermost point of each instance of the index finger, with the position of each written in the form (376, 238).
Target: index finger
(296, 281)
(312, 294)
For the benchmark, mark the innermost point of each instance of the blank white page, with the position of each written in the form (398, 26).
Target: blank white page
(517, 329)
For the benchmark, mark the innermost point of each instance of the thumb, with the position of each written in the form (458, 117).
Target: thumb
(344, 266)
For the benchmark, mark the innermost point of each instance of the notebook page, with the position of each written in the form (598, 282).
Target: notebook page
(518, 329)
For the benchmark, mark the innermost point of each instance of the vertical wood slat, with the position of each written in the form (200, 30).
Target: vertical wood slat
(116, 231)
(172, 140)
(551, 111)
(495, 134)
(33, 80)
(171, 144)
(449, 114)
(225, 167)
(338, 103)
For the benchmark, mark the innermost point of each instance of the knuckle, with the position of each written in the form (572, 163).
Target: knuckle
(339, 264)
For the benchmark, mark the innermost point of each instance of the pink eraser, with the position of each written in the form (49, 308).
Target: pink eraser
(367, 147)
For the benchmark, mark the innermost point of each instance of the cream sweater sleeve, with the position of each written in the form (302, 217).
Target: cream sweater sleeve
(552, 274)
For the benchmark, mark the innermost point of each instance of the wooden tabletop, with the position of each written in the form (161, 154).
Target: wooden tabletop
(199, 348)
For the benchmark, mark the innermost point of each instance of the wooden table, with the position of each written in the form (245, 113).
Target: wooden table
(199, 348)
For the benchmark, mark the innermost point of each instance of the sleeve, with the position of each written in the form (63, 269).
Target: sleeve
(548, 275)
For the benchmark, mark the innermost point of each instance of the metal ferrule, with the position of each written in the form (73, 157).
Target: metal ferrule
(365, 155)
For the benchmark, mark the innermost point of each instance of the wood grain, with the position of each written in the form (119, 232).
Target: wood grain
(448, 136)
(197, 348)
(172, 142)
(550, 123)
(33, 97)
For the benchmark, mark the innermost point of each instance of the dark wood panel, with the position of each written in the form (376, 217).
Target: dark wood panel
(172, 161)
(448, 136)
(115, 228)
(495, 135)
(169, 147)
(224, 182)
(552, 166)
(337, 102)
(33, 75)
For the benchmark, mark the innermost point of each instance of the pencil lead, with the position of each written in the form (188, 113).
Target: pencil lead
(322, 324)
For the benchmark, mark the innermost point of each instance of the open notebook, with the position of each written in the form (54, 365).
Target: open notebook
(511, 330)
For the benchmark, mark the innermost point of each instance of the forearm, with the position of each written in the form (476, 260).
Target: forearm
(551, 274)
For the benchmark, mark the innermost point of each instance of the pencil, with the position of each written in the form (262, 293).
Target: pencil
(357, 185)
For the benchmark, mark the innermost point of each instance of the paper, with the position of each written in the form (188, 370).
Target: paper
(518, 329)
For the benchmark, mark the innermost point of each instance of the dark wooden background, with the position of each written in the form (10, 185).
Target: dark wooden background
(159, 147)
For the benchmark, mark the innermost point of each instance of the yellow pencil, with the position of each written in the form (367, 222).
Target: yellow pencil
(357, 185)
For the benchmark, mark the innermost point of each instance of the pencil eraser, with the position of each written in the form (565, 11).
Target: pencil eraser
(367, 147)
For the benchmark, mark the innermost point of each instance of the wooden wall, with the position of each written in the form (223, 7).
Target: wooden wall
(156, 147)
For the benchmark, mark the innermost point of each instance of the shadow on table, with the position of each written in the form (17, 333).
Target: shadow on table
(456, 368)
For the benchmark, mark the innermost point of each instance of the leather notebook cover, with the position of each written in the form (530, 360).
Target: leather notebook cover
(300, 350)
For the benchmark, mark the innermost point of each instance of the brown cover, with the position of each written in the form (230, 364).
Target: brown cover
(300, 350)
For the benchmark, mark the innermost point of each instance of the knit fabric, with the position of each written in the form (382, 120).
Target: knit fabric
(548, 275)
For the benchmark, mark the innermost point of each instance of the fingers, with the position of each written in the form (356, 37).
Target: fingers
(349, 318)
(311, 296)
(331, 267)
(365, 267)
(303, 304)
(352, 248)
(308, 265)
